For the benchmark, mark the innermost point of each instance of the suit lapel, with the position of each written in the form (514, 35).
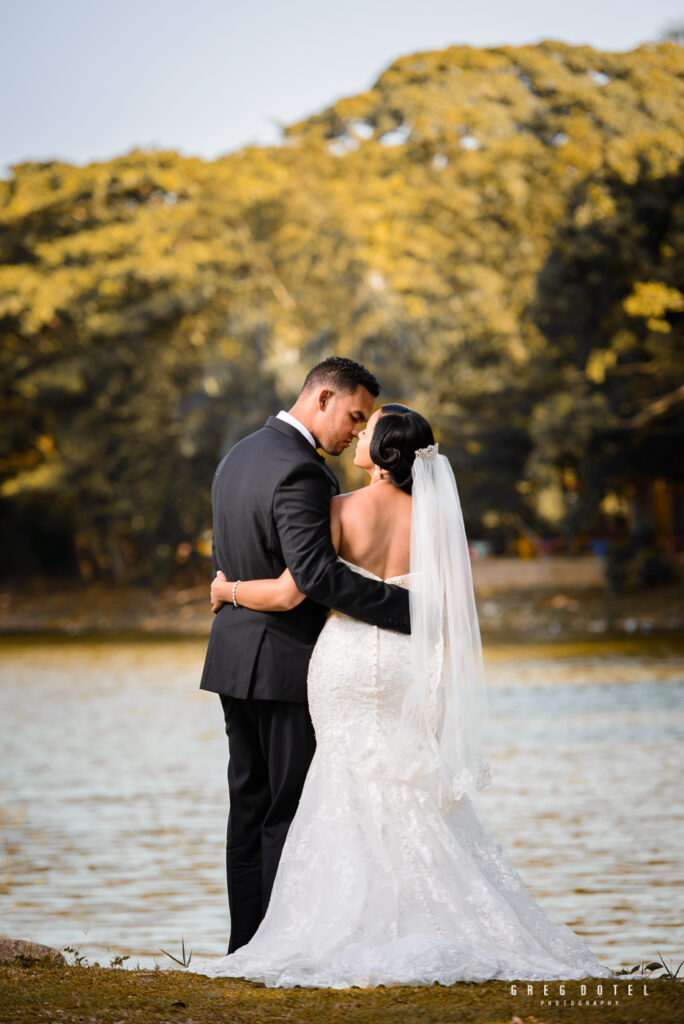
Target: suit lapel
(286, 428)
(333, 479)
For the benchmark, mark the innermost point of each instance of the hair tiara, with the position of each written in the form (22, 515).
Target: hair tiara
(429, 453)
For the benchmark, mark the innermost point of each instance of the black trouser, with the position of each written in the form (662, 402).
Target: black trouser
(271, 743)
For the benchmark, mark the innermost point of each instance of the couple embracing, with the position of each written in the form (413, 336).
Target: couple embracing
(346, 653)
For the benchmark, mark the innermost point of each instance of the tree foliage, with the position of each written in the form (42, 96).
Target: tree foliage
(498, 233)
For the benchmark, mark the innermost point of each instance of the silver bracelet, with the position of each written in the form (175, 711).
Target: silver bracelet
(235, 604)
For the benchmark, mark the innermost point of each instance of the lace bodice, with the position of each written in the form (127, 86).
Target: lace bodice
(356, 712)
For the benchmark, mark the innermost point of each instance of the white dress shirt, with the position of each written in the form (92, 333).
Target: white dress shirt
(304, 431)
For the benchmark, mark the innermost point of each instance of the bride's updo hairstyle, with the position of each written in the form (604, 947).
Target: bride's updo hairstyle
(399, 432)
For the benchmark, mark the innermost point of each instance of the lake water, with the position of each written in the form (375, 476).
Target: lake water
(113, 795)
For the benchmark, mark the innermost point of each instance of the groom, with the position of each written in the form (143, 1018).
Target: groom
(271, 506)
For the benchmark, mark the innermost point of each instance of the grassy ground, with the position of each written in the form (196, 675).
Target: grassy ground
(38, 992)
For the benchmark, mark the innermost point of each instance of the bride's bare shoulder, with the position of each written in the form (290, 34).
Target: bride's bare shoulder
(369, 495)
(339, 505)
(351, 495)
(342, 503)
(344, 508)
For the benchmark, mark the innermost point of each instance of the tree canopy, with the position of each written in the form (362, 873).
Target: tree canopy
(498, 233)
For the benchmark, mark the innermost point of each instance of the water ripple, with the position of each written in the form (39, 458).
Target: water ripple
(113, 801)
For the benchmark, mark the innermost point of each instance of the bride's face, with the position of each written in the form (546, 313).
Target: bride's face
(362, 454)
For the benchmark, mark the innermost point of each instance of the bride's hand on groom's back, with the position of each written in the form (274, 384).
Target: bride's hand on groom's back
(215, 591)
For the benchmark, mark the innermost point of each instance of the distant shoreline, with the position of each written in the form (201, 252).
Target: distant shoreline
(553, 611)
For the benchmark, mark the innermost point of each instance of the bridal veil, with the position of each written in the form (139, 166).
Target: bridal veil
(447, 698)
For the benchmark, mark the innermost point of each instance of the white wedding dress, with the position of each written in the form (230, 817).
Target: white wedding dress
(377, 884)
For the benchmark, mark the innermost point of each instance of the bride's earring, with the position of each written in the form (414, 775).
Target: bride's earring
(376, 473)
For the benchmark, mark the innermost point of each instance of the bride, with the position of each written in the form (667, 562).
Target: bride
(387, 875)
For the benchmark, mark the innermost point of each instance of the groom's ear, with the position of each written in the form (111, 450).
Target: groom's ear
(324, 397)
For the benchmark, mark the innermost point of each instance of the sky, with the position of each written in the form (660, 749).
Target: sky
(84, 80)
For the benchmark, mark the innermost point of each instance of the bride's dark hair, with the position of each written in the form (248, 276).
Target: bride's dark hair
(399, 431)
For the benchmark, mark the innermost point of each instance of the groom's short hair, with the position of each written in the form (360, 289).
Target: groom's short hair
(341, 374)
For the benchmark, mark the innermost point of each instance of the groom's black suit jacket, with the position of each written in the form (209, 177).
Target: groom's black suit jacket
(271, 511)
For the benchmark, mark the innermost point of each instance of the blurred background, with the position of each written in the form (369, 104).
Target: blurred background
(198, 204)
